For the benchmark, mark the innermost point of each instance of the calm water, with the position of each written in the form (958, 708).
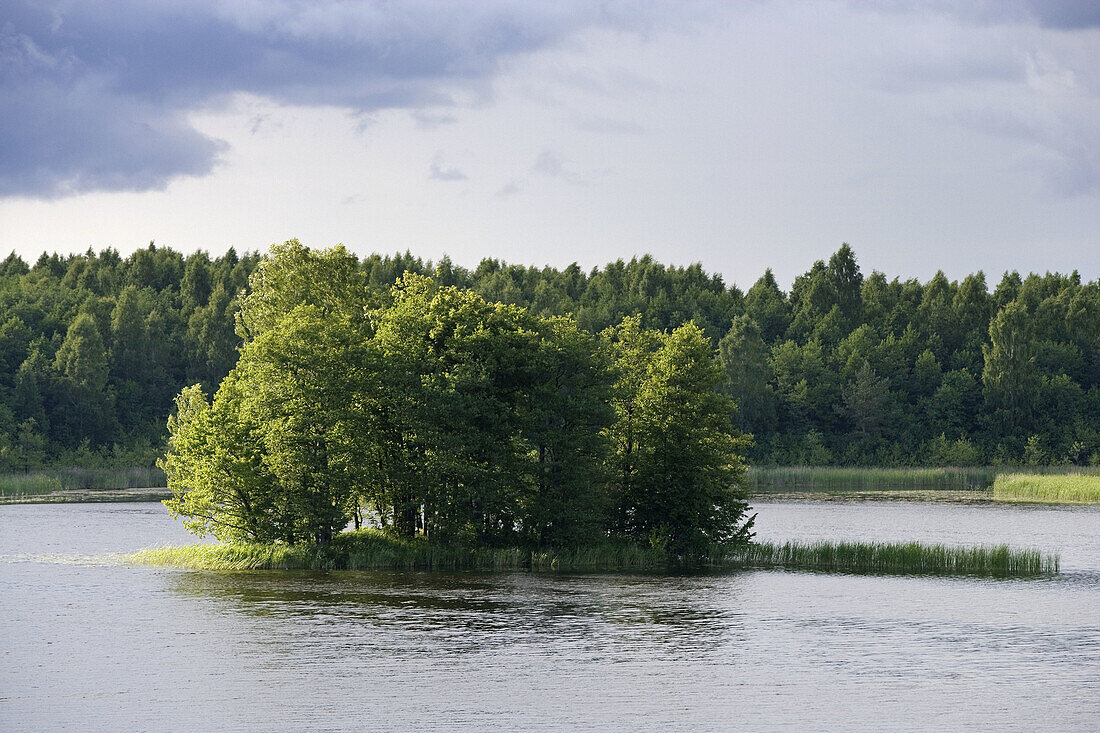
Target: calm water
(88, 645)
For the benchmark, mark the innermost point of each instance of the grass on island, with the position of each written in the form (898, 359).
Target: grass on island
(1050, 489)
(374, 550)
(893, 557)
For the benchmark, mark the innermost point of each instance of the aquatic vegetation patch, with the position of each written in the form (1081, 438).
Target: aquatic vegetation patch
(1064, 489)
(891, 557)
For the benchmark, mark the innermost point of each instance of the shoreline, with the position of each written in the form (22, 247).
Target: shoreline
(90, 496)
(984, 497)
(939, 496)
(374, 551)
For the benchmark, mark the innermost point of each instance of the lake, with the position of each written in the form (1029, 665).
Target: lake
(88, 644)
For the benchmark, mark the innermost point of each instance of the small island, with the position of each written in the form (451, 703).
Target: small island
(432, 428)
(440, 415)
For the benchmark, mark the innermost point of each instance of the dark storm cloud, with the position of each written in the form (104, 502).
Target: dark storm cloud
(95, 94)
(1065, 14)
(1060, 14)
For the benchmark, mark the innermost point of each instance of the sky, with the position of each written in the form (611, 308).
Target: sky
(954, 136)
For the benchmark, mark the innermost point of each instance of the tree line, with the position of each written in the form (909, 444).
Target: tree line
(443, 414)
(842, 369)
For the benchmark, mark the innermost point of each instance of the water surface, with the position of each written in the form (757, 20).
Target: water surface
(91, 645)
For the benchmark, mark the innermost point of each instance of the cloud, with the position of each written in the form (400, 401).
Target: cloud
(549, 163)
(1058, 14)
(431, 120)
(906, 73)
(258, 121)
(438, 173)
(96, 93)
(607, 126)
(1013, 71)
(552, 165)
(1064, 14)
(61, 141)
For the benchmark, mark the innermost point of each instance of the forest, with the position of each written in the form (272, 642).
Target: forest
(842, 369)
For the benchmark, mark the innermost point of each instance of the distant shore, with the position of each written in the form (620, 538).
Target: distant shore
(964, 485)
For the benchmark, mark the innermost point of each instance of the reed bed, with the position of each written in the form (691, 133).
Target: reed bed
(891, 557)
(71, 478)
(1048, 489)
(822, 478)
(373, 550)
(29, 484)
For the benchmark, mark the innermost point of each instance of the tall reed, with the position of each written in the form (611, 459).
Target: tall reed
(891, 557)
(1065, 489)
(29, 484)
(69, 478)
(825, 478)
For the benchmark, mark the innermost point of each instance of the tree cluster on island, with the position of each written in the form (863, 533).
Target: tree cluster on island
(842, 369)
(442, 414)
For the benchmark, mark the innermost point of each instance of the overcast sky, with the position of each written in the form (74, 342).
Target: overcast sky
(928, 135)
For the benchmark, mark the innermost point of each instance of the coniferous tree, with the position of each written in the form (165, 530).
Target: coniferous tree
(745, 359)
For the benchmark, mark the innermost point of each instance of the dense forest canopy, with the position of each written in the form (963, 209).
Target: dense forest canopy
(845, 368)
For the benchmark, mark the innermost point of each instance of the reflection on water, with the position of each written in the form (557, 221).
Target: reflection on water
(139, 648)
(411, 614)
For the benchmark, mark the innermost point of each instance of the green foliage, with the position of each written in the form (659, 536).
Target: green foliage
(1010, 375)
(768, 307)
(570, 400)
(293, 275)
(82, 358)
(961, 452)
(310, 385)
(460, 371)
(745, 359)
(677, 464)
(216, 471)
(868, 402)
(92, 352)
(441, 414)
(988, 368)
